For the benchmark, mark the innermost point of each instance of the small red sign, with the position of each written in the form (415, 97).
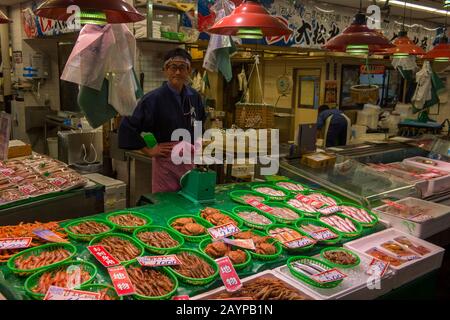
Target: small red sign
(307, 200)
(15, 243)
(180, 298)
(228, 274)
(121, 281)
(16, 179)
(28, 189)
(259, 205)
(7, 172)
(103, 256)
(372, 69)
(58, 181)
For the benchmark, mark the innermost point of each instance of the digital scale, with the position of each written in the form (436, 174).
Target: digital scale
(199, 185)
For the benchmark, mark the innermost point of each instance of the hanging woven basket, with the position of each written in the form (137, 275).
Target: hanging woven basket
(365, 93)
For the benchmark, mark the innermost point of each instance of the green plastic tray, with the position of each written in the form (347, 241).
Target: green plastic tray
(32, 281)
(302, 249)
(158, 250)
(164, 270)
(287, 194)
(265, 257)
(313, 215)
(318, 223)
(239, 266)
(237, 219)
(236, 196)
(196, 281)
(375, 218)
(36, 250)
(123, 236)
(131, 228)
(99, 287)
(338, 201)
(322, 255)
(306, 189)
(199, 220)
(87, 237)
(307, 279)
(358, 226)
(283, 205)
(249, 224)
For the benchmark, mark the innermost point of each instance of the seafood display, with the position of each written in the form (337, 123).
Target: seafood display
(340, 257)
(41, 259)
(150, 282)
(284, 234)
(193, 266)
(119, 248)
(419, 249)
(340, 224)
(261, 243)
(127, 220)
(188, 226)
(270, 191)
(399, 251)
(67, 179)
(247, 197)
(254, 217)
(308, 268)
(410, 212)
(374, 252)
(58, 277)
(323, 198)
(105, 295)
(158, 239)
(37, 188)
(11, 195)
(219, 249)
(301, 206)
(291, 186)
(284, 213)
(357, 214)
(215, 217)
(89, 228)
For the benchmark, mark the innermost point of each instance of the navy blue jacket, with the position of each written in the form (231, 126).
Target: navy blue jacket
(160, 112)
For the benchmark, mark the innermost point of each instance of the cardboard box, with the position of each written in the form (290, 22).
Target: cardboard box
(18, 148)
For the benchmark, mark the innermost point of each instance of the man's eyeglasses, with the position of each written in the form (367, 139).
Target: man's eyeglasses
(174, 67)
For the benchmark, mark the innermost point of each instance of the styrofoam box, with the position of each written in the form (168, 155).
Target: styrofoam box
(356, 286)
(408, 271)
(115, 189)
(115, 205)
(423, 230)
(269, 273)
(417, 162)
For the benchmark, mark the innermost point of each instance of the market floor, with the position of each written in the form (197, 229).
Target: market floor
(443, 286)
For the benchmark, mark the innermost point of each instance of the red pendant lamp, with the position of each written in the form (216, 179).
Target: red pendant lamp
(441, 52)
(404, 46)
(4, 18)
(359, 34)
(250, 20)
(114, 11)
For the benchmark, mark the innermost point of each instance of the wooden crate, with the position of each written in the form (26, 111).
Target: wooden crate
(254, 115)
(318, 160)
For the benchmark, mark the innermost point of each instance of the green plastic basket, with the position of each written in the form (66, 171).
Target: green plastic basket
(87, 237)
(318, 223)
(307, 279)
(287, 194)
(283, 205)
(358, 226)
(122, 236)
(306, 189)
(237, 219)
(36, 250)
(163, 270)
(302, 249)
(252, 225)
(306, 214)
(99, 287)
(158, 250)
(199, 220)
(338, 201)
(265, 257)
(237, 194)
(239, 266)
(322, 255)
(197, 281)
(375, 218)
(130, 228)
(32, 280)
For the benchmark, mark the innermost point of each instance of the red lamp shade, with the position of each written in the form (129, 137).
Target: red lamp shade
(359, 34)
(405, 45)
(440, 51)
(250, 15)
(117, 11)
(4, 18)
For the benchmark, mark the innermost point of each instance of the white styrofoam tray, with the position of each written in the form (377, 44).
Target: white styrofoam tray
(294, 285)
(356, 286)
(425, 229)
(408, 271)
(417, 162)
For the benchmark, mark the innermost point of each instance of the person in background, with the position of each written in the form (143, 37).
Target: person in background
(173, 106)
(337, 131)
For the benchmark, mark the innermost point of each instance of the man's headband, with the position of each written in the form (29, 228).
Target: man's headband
(177, 59)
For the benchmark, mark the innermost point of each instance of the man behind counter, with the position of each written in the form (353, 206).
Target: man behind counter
(173, 106)
(337, 131)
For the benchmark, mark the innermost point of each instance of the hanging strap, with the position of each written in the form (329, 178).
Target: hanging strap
(256, 65)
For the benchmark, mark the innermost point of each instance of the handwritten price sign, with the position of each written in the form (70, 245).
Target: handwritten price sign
(58, 182)
(15, 243)
(121, 281)
(258, 205)
(329, 276)
(299, 243)
(159, 261)
(103, 256)
(329, 210)
(312, 202)
(228, 274)
(48, 235)
(324, 234)
(377, 268)
(223, 231)
(242, 243)
(58, 293)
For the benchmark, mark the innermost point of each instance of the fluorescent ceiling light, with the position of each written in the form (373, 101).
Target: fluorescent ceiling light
(416, 7)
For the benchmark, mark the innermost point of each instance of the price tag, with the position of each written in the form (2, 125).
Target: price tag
(258, 205)
(223, 231)
(242, 243)
(74, 277)
(103, 256)
(58, 181)
(28, 189)
(377, 267)
(329, 210)
(15, 243)
(180, 298)
(121, 281)
(228, 274)
(312, 202)
(159, 261)
(324, 234)
(299, 243)
(7, 172)
(58, 293)
(16, 179)
(395, 205)
(48, 235)
(329, 276)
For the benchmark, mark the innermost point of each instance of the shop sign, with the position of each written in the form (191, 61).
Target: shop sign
(372, 69)
(228, 274)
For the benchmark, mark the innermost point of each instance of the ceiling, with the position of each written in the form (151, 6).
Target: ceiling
(11, 2)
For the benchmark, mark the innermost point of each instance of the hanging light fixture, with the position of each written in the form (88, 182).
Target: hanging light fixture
(92, 11)
(250, 20)
(4, 18)
(441, 52)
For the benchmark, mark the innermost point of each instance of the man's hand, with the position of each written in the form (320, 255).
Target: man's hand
(160, 150)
